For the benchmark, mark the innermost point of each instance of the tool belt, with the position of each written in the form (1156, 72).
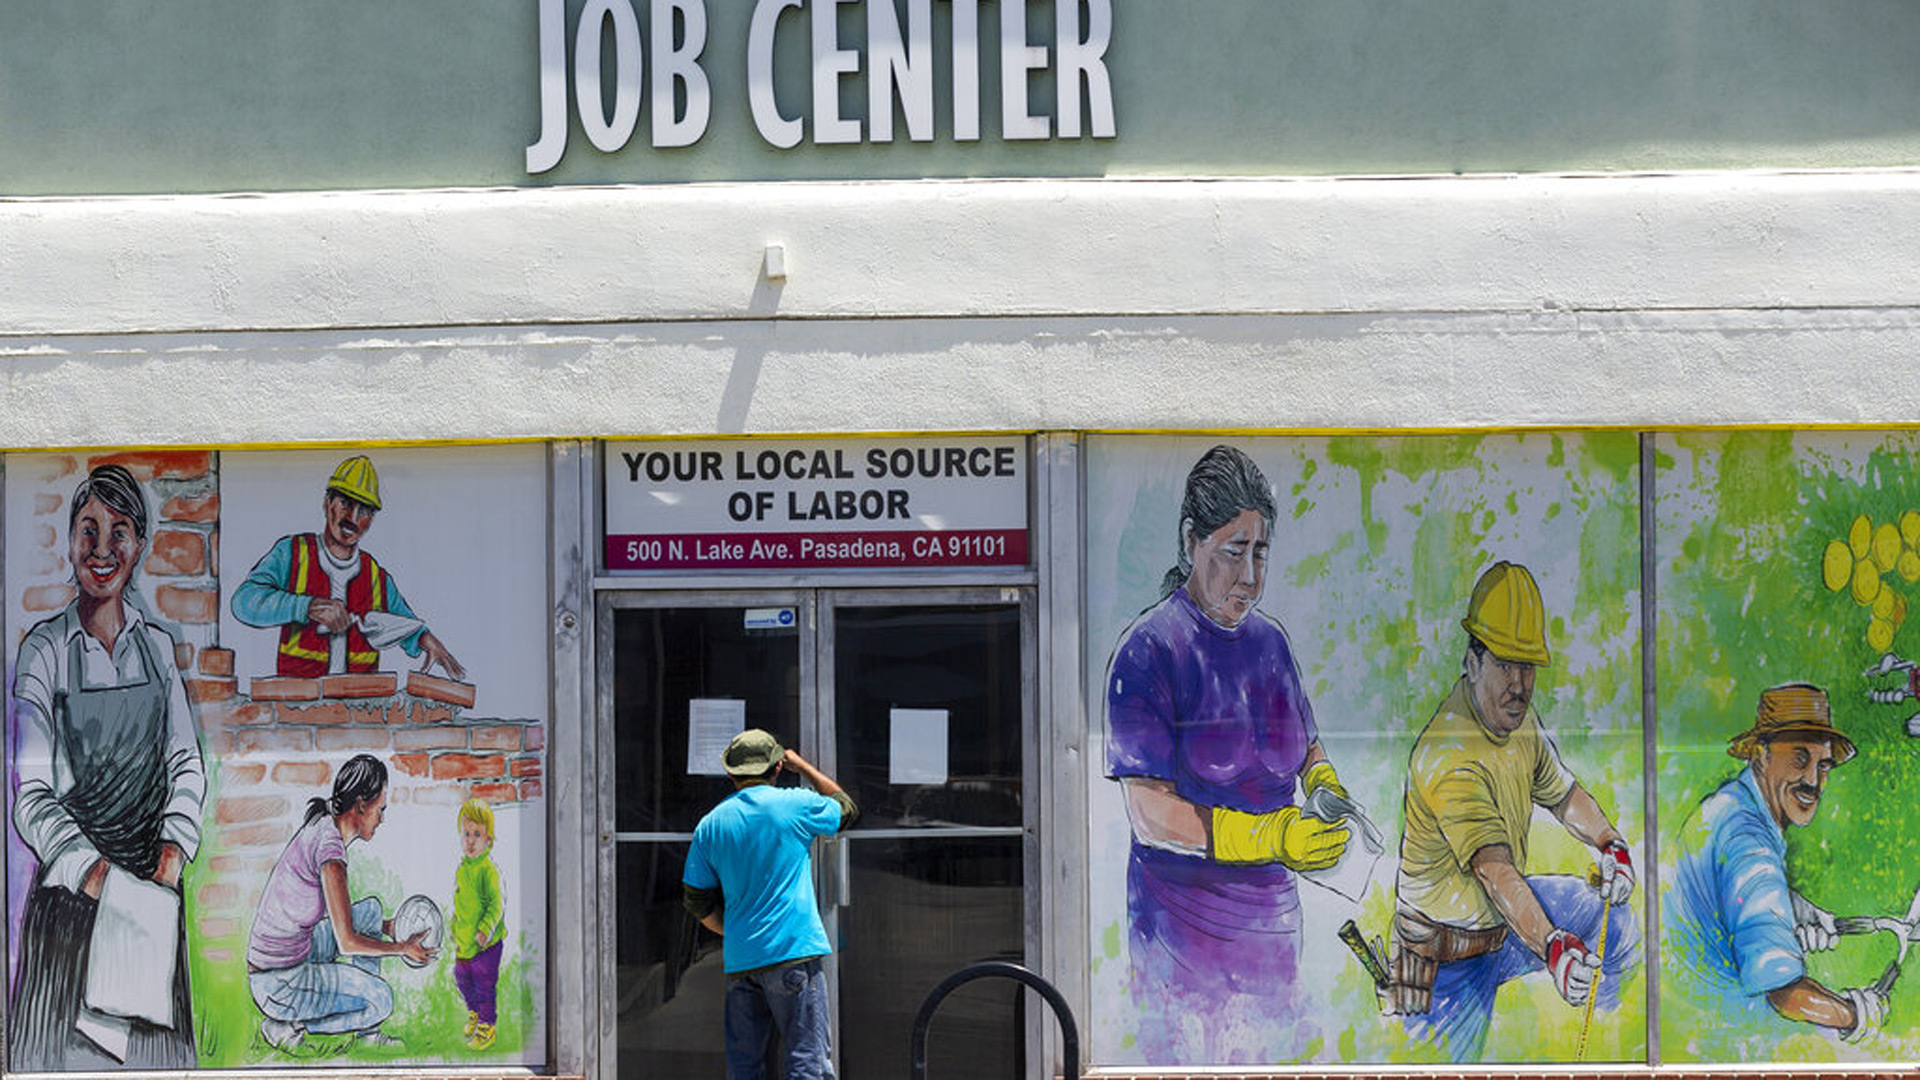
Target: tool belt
(1420, 946)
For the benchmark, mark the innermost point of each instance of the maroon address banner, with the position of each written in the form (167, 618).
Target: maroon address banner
(817, 550)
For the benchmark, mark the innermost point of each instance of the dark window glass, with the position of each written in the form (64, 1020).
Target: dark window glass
(923, 909)
(965, 660)
(664, 658)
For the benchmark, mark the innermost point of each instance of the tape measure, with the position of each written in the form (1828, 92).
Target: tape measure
(1600, 957)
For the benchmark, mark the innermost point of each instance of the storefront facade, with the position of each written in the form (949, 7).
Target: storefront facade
(897, 437)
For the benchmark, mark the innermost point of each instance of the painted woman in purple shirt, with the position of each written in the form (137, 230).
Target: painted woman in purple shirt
(1209, 732)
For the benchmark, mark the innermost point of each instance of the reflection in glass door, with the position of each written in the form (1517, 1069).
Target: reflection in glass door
(674, 669)
(919, 703)
(929, 714)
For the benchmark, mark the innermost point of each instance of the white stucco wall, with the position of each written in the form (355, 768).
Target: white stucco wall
(1710, 298)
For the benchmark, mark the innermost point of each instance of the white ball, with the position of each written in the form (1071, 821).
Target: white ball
(415, 914)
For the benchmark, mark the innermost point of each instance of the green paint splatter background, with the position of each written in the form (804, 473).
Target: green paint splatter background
(1742, 521)
(1377, 548)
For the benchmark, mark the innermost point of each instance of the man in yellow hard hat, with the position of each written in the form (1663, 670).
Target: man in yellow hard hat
(1468, 916)
(335, 606)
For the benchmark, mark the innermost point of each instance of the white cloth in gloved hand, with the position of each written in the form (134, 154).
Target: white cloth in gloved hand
(1812, 925)
(1572, 966)
(1869, 1011)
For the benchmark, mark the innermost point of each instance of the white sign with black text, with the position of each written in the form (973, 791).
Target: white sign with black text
(816, 504)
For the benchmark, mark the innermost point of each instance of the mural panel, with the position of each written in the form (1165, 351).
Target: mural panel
(1369, 787)
(276, 760)
(1787, 707)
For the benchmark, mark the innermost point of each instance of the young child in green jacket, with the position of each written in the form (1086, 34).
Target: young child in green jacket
(478, 932)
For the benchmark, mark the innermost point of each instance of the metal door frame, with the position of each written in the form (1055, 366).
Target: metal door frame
(815, 604)
(606, 604)
(830, 871)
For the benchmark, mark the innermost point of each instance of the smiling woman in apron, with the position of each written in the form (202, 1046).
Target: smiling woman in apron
(111, 785)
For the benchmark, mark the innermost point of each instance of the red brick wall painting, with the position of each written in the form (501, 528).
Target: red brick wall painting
(233, 674)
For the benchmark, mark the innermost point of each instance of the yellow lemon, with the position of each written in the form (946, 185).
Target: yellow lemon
(1880, 635)
(1910, 528)
(1899, 610)
(1866, 581)
(1884, 603)
(1909, 567)
(1836, 566)
(1860, 536)
(1886, 546)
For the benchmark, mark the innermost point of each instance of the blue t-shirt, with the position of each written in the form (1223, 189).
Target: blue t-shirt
(756, 848)
(1730, 912)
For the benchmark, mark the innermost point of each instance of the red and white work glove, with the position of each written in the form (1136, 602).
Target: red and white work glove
(1572, 966)
(1616, 873)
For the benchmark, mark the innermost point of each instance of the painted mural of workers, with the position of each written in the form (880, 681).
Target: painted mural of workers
(335, 606)
(1738, 929)
(111, 782)
(1468, 916)
(1212, 738)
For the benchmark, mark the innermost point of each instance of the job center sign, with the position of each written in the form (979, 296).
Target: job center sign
(744, 504)
(886, 61)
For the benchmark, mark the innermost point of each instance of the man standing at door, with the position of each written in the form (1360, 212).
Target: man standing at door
(749, 878)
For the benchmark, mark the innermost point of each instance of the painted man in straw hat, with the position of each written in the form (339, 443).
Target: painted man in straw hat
(1740, 930)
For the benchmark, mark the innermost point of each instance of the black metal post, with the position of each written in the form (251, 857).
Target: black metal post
(1069, 1034)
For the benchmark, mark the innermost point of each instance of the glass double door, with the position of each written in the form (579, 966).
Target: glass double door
(919, 703)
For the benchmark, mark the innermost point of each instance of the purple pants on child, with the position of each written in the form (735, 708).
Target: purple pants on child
(479, 980)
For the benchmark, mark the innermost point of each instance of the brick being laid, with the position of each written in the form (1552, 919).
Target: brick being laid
(434, 688)
(362, 685)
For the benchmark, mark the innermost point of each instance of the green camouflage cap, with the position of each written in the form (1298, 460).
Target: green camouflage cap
(752, 752)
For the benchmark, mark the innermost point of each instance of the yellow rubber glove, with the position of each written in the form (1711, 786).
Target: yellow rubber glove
(1321, 775)
(1282, 836)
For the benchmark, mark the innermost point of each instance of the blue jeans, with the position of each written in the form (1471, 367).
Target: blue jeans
(1464, 990)
(790, 998)
(322, 995)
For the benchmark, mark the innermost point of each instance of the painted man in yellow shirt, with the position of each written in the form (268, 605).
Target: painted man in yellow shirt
(1468, 917)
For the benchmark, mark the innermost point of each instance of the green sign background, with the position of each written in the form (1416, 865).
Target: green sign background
(110, 96)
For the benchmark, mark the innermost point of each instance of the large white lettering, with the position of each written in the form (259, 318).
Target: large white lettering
(1082, 59)
(1018, 62)
(678, 69)
(894, 68)
(678, 29)
(900, 68)
(778, 129)
(830, 64)
(607, 134)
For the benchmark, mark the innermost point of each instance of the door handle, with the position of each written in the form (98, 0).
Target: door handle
(839, 872)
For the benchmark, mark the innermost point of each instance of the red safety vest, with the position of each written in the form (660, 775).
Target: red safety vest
(304, 650)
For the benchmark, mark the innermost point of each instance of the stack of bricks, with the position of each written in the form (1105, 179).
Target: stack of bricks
(178, 578)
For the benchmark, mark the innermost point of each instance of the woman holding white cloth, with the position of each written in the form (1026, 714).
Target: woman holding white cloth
(111, 788)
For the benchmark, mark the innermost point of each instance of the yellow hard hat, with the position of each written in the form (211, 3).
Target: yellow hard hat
(1507, 616)
(356, 480)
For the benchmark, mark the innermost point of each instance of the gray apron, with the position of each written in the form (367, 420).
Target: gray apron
(115, 741)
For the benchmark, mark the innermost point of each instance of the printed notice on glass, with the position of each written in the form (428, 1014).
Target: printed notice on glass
(919, 740)
(711, 725)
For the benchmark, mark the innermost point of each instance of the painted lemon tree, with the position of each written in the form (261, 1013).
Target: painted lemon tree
(1784, 744)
